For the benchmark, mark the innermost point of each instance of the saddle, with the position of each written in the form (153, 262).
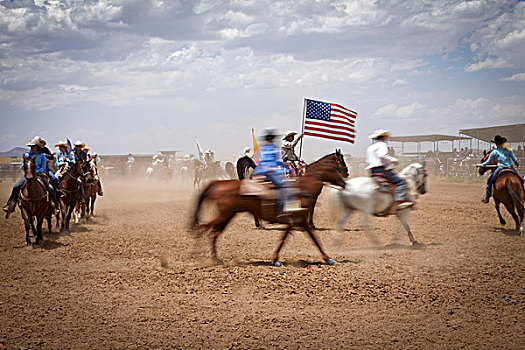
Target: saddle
(505, 171)
(385, 186)
(258, 186)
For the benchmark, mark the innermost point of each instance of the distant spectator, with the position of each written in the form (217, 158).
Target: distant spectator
(131, 161)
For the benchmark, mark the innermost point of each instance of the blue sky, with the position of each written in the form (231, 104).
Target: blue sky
(143, 75)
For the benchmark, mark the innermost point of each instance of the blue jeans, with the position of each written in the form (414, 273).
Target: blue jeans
(277, 181)
(400, 193)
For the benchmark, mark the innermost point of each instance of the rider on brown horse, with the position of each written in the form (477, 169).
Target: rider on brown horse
(288, 149)
(504, 158)
(271, 166)
(41, 169)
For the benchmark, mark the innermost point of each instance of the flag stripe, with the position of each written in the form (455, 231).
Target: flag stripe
(344, 109)
(331, 130)
(329, 137)
(325, 125)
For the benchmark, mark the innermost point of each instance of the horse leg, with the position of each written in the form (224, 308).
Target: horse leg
(27, 226)
(39, 222)
(511, 209)
(275, 257)
(93, 198)
(402, 216)
(501, 220)
(340, 224)
(218, 227)
(48, 219)
(326, 258)
(311, 214)
(68, 217)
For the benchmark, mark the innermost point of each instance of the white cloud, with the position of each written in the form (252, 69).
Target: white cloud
(515, 77)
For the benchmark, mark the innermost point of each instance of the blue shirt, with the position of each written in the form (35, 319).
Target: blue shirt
(67, 157)
(40, 161)
(269, 161)
(503, 157)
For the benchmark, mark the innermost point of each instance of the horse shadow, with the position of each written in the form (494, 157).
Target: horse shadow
(294, 263)
(506, 231)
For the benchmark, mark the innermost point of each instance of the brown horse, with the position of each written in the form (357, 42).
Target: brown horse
(82, 208)
(69, 190)
(96, 187)
(226, 194)
(507, 189)
(34, 202)
(336, 160)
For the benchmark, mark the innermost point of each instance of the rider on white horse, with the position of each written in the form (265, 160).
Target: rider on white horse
(378, 161)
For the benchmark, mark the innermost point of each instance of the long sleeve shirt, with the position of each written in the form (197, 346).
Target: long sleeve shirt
(288, 149)
(503, 158)
(65, 158)
(269, 160)
(40, 161)
(377, 155)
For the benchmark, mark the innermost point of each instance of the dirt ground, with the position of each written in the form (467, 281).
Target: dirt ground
(131, 278)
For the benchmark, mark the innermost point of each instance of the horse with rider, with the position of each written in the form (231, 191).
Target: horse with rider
(504, 183)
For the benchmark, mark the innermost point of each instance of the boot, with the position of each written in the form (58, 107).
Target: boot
(404, 204)
(485, 200)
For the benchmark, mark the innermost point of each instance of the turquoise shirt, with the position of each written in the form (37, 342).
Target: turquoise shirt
(503, 157)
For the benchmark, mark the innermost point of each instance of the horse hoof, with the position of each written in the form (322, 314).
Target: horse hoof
(29, 246)
(417, 244)
(330, 261)
(503, 222)
(277, 263)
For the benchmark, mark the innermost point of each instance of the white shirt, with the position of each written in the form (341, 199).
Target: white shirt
(377, 155)
(288, 149)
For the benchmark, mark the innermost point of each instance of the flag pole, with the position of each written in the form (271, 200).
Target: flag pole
(302, 130)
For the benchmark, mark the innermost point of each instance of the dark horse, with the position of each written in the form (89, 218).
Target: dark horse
(34, 202)
(69, 191)
(87, 184)
(507, 189)
(227, 197)
(335, 159)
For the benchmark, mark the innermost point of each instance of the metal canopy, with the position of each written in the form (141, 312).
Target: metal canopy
(427, 138)
(513, 132)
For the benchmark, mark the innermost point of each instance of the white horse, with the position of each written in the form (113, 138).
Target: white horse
(363, 194)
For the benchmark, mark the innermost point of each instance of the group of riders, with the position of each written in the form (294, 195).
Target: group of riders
(275, 163)
(51, 167)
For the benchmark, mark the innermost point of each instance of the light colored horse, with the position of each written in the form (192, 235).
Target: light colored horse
(363, 194)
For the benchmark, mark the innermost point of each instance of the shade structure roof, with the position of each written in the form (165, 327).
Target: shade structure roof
(512, 132)
(427, 138)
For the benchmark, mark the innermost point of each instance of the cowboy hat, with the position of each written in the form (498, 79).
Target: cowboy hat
(86, 149)
(499, 140)
(379, 133)
(80, 143)
(33, 142)
(289, 133)
(61, 143)
(41, 140)
(270, 134)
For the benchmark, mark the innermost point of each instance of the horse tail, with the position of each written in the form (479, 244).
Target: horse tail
(515, 198)
(202, 197)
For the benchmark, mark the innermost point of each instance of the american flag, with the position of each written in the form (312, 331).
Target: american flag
(329, 121)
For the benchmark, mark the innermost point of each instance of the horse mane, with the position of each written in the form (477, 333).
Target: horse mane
(406, 170)
(321, 159)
